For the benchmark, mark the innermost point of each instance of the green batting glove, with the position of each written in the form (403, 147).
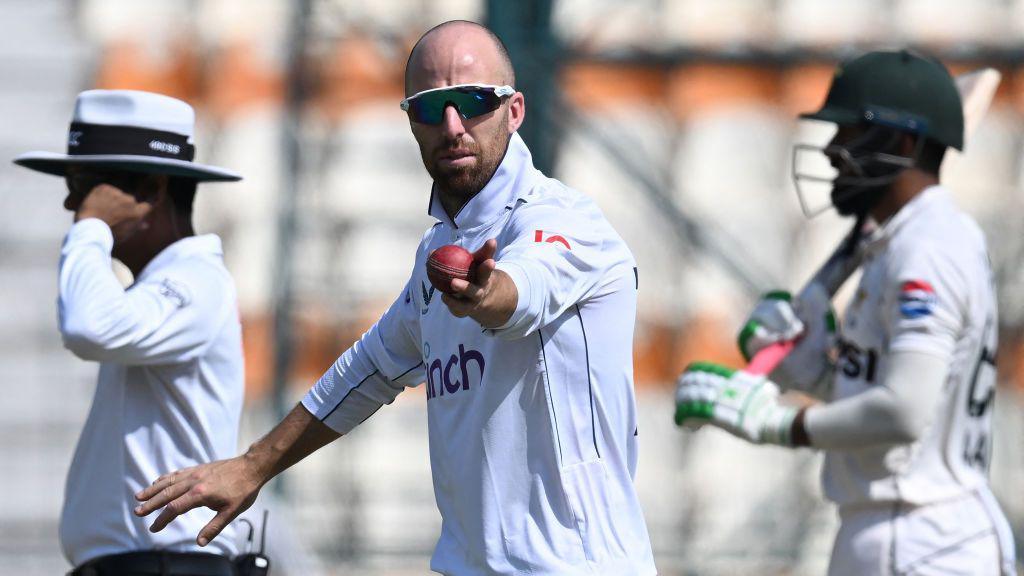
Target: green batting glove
(740, 403)
(779, 317)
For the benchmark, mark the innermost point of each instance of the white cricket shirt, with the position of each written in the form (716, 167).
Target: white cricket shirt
(927, 288)
(170, 386)
(532, 427)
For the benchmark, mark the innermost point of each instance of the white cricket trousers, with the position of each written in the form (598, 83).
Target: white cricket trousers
(966, 536)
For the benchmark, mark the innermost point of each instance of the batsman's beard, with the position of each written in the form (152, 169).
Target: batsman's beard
(864, 173)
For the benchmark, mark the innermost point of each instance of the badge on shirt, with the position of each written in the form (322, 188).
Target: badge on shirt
(542, 236)
(428, 295)
(175, 292)
(917, 299)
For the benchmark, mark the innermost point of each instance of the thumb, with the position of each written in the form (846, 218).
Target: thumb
(486, 252)
(483, 272)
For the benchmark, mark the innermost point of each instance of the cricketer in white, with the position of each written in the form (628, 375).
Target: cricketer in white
(926, 293)
(532, 426)
(170, 384)
(905, 421)
(528, 367)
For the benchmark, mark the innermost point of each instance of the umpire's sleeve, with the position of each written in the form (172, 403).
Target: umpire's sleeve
(169, 317)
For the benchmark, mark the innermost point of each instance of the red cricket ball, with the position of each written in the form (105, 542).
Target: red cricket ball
(448, 262)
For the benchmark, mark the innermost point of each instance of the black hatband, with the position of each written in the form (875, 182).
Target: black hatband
(101, 139)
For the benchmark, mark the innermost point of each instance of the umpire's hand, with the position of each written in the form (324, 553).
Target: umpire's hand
(228, 487)
(125, 211)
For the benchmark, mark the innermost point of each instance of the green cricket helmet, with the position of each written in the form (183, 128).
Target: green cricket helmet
(890, 95)
(899, 90)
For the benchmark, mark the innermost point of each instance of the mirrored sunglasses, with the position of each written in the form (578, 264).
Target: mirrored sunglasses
(469, 100)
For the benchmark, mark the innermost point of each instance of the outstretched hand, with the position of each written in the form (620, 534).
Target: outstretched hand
(228, 487)
(491, 298)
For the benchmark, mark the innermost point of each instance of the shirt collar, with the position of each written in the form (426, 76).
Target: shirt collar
(501, 191)
(205, 244)
(920, 203)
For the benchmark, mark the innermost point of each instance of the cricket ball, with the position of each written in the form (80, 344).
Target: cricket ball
(449, 262)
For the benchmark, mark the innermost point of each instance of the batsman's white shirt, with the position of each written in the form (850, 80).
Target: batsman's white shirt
(170, 386)
(926, 288)
(532, 427)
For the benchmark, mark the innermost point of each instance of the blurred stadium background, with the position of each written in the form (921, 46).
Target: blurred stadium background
(676, 115)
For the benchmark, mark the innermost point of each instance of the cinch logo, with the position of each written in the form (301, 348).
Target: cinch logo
(440, 377)
(164, 147)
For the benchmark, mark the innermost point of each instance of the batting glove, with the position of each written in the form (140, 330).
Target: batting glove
(778, 318)
(740, 403)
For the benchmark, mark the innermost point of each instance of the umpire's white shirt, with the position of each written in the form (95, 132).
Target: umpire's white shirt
(532, 427)
(170, 386)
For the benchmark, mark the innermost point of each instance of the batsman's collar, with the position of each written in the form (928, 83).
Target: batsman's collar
(908, 212)
(513, 179)
(131, 131)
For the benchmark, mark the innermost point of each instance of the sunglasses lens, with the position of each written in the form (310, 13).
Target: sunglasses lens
(426, 110)
(470, 102)
(477, 103)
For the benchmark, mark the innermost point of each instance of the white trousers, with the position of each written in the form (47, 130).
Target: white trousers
(967, 536)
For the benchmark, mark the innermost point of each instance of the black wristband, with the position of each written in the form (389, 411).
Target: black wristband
(798, 433)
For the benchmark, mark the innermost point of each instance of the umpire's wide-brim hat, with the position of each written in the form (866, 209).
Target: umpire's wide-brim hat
(131, 131)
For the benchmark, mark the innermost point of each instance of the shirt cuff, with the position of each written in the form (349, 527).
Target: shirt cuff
(341, 415)
(90, 231)
(518, 276)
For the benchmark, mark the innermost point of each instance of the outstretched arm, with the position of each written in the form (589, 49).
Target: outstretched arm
(229, 487)
(368, 375)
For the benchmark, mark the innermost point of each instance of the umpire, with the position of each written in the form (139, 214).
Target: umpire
(170, 385)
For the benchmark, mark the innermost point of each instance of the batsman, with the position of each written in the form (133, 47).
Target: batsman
(906, 390)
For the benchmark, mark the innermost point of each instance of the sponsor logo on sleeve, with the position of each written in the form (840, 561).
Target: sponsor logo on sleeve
(917, 299)
(539, 236)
